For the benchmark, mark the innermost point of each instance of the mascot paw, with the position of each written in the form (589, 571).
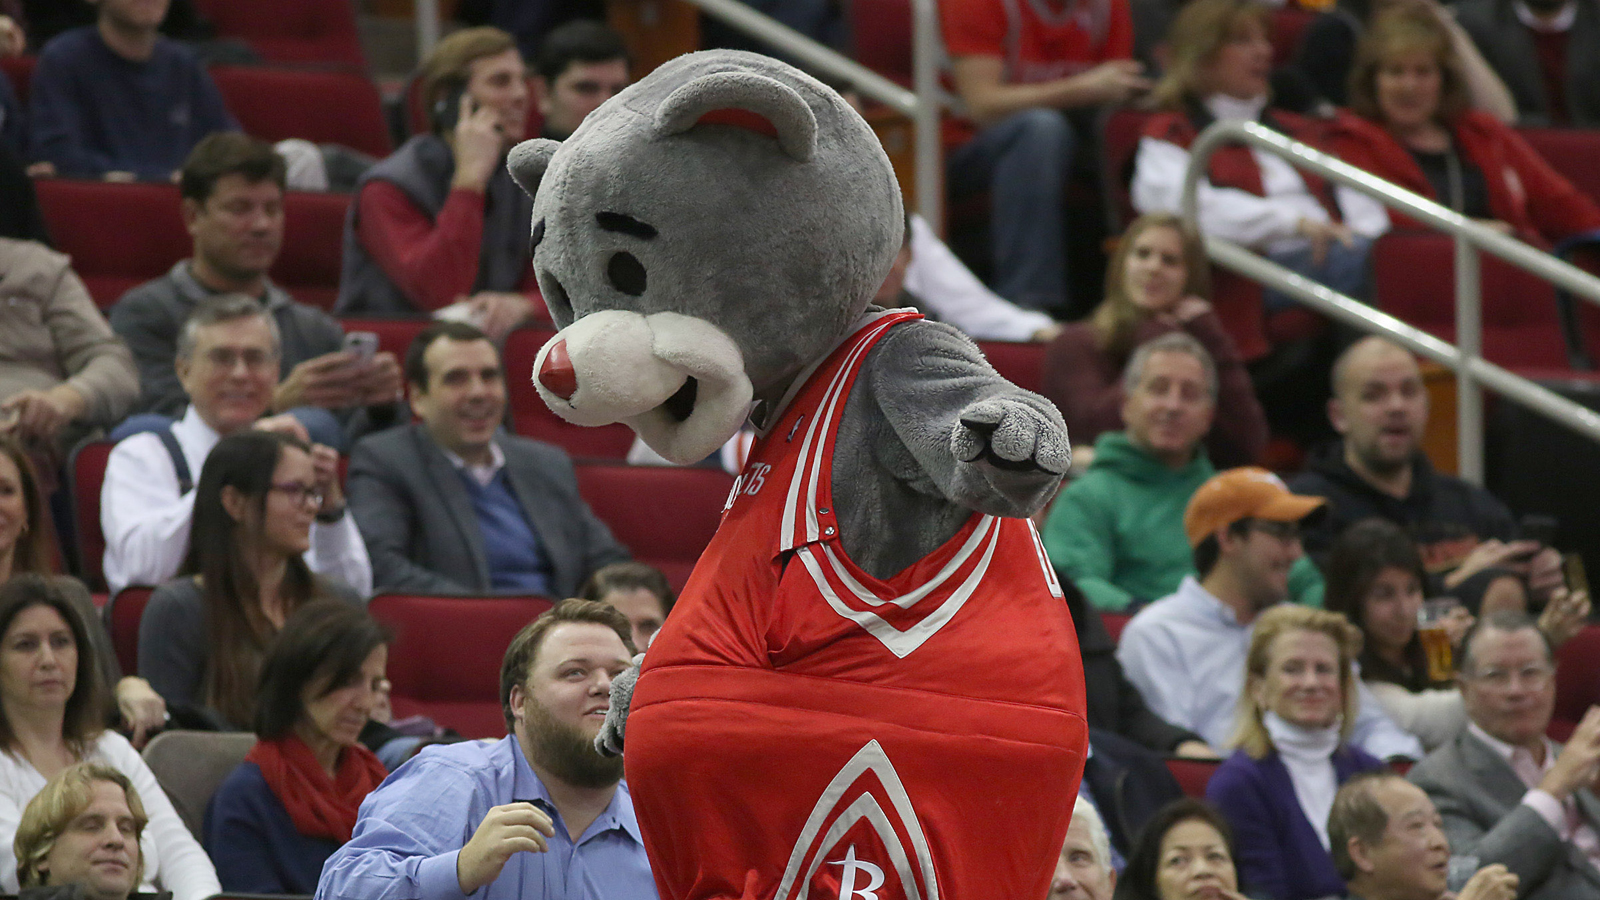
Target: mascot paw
(1010, 434)
(609, 741)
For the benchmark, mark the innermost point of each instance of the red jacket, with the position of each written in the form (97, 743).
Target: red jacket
(1524, 191)
(1236, 299)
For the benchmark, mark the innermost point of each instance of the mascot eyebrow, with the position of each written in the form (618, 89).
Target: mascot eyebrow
(621, 223)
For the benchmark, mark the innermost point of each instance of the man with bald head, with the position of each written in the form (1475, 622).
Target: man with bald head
(1380, 410)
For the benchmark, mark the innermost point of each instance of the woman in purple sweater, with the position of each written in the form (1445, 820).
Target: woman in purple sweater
(1295, 715)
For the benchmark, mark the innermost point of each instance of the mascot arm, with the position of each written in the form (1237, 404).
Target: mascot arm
(609, 741)
(985, 443)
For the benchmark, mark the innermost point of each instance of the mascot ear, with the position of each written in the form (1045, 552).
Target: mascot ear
(745, 99)
(528, 160)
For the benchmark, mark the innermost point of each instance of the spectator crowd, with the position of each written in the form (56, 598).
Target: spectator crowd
(1318, 665)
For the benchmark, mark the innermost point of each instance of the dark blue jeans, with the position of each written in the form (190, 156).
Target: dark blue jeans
(1024, 162)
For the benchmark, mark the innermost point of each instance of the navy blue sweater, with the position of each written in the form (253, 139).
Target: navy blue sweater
(94, 112)
(251, 838)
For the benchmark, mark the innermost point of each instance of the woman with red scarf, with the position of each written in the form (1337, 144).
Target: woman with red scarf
(279, 816)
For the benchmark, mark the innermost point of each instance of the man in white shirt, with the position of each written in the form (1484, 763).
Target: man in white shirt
(1508, 794)
(228, 364)
(1186, 652)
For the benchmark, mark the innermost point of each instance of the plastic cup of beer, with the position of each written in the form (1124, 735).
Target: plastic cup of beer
(1435, 639)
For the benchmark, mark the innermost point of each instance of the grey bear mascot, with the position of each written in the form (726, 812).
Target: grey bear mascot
(870, 686)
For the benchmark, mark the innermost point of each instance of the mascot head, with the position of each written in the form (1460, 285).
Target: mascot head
(702, 238)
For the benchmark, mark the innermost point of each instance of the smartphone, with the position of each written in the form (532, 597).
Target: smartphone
(447, 110)
(1572, 569)
(362, 343)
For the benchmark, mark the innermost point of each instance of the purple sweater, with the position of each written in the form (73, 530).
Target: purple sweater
(1279, 854)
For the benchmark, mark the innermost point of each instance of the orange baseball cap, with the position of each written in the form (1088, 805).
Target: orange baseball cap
(1250, 492)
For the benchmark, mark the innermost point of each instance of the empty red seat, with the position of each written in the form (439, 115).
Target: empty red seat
(883, 37)
(308, 266)
(127, 608)
(1019, 362)
(665, 515)
(320, 32)
(1570, 151)
(334, 107)
(534, 419)
(118, 235)
(1193, 775)
(86, 472)
(1414, 280)
(1577, 680)
(444, 662)
(19, 69)
(1115, 622)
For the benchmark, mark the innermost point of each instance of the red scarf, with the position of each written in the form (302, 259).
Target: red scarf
(319, 806)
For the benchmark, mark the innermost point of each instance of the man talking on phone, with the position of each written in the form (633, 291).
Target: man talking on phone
(232, 205)
(440, 224)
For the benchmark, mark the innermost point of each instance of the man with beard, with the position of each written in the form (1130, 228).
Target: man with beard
(452, 505)
(1466, 536)
(1546, 51)
(1186, 653)
(539, 815)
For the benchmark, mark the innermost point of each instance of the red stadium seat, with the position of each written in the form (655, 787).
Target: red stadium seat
(665, 515)
(1288, 24)
(1020, 363)
(444, 662)
(308, 266)
(85, 473)
(320, 32)
(19, 69)
(1193, 775)
(1120, 130)
(1570, 151)
(1577, 680)
(322, 107)
(1413, 279)
(118, 235)
(883, 37)
(127, 608)
(531, 417)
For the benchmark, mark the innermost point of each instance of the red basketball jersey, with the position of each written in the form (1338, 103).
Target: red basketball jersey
(804, 729)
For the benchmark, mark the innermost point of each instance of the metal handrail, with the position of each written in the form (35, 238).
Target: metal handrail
(1466, 356)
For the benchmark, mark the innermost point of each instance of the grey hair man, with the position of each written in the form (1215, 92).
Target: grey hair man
(1083, 871)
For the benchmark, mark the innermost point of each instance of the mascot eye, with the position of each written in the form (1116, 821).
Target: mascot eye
(626, 273)
(537, 236)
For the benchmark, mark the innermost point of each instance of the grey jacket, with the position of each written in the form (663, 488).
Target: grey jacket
(421, 530)
(1480, 799)
(51, 332)
(1507, 45)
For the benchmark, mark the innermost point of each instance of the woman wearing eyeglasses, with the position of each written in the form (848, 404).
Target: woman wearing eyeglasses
(203, 635)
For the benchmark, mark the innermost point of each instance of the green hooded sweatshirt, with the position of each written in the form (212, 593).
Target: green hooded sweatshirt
(1117, 531)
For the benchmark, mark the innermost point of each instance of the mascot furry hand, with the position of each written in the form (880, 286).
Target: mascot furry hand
(870, 686)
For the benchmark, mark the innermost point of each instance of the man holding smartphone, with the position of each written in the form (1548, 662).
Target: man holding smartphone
(232, 189)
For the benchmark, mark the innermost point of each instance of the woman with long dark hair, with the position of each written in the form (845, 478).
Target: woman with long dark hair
(1185, 852)
(203, 635)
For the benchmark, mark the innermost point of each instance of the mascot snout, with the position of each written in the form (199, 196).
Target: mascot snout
(678, 380)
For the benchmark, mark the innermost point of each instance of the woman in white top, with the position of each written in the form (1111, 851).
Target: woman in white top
(52, 703)
(1221, 63)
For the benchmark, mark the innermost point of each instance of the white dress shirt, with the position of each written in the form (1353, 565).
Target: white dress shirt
(943, 284)
(146, 520)
(1186, 652)
(1263, 223)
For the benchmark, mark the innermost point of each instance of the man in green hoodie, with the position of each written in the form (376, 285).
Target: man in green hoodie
(1117, 531)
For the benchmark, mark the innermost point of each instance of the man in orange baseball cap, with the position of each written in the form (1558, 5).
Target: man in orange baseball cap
(1185, 652)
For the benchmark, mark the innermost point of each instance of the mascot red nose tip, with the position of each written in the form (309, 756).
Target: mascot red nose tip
(556, 372)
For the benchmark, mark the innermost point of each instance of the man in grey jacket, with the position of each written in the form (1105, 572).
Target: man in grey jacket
(1546, 51)
(1507, 793)
(453, 505)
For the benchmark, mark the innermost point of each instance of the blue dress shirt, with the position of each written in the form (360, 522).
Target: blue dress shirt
(413, 826)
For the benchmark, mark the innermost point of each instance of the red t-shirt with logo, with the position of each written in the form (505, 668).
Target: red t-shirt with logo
(1039, 40)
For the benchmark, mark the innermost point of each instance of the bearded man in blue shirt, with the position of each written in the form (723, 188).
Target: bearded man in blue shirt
(539, 815)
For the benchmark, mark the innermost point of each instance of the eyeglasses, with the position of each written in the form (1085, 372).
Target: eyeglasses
(296, 490)
(1283, 531)
(1534, 677)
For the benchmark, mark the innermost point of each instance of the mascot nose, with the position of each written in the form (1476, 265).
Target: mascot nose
(556, 372)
